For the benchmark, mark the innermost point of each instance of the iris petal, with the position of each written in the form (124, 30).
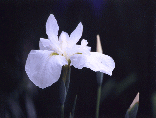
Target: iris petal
(52, 31)
(42, 68)
(52, 27)
(76, 35)
(63, 40)
(95, 61)
(44, 44)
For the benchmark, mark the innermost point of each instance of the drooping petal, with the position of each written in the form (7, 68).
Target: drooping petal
(77, 49)
(52, 31)
(76, 35)
(42, 68)
(44, 44)
(95, 61)
(78, 60)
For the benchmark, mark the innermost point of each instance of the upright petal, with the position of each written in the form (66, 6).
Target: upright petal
(76, 35)
(84, 42)
(95, 61)
(52, 31)
(52, 27)
(86, 49)
(63, 40)
(42, 68)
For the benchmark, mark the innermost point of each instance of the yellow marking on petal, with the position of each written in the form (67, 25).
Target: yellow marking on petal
(78, 53)
(53, 54)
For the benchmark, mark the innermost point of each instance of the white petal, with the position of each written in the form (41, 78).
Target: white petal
(84, 42)
(85, 47)
(52, 31)
(81, 49)
(95, 61)
(44, 44)
(63, 40)
(78, 60)
(76, 34)
(52, 27)
(44, 69)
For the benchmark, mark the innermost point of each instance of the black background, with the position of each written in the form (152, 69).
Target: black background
(127, 32)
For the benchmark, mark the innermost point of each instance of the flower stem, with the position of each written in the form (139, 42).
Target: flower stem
(64, 85)
(98, 101)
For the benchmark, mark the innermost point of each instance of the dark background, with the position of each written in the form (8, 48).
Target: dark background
(127, 32)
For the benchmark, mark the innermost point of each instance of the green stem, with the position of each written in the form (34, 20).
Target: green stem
(65, 76)
(98, 101)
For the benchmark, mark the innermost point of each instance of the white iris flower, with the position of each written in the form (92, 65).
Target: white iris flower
(43, 66)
